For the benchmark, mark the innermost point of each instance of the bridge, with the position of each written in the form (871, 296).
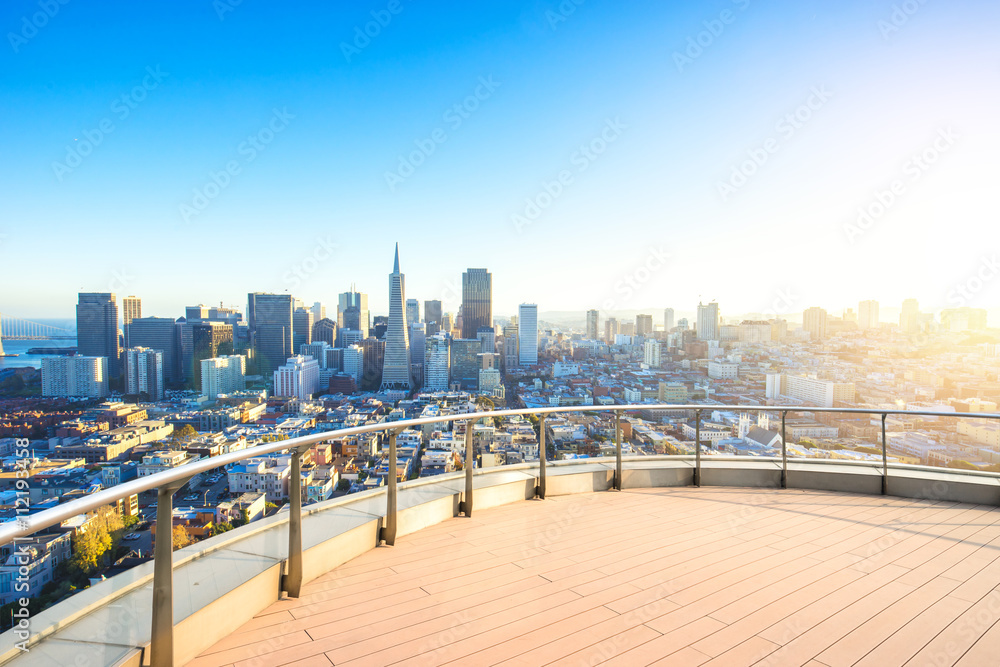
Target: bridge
(16, 328)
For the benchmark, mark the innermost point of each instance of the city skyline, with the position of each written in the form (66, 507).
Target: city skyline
(772, 158)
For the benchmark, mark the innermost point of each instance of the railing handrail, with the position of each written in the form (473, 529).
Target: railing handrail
(33, 523)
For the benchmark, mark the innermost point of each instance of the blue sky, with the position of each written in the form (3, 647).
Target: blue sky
(314, 210)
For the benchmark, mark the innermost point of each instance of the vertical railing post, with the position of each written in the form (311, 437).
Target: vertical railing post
(784, 453)
(540, 489)
(293, 579)
(465, 507)
(388, 532)
(162, 643)
(697, 447)
(618, 450)
(885, 461)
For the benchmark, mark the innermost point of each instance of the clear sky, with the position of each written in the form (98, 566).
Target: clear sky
(622, 122)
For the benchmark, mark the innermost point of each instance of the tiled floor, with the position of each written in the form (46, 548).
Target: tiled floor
(679, 576)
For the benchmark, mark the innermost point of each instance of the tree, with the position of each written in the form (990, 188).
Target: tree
(93, 542)
(344, 485)
(182, 538)
(222, 528)
(186, 432)
(959, 464)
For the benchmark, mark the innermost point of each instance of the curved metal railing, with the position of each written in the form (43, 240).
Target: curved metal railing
(168, 482)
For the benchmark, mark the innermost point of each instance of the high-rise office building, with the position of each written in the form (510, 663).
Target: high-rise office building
(432, 317)
(592, 325)
(325, 331)
(668, 319)
(156, 333)
(144, 372)
(708, 321)
(223, 375)
(527, 332)
(374, 361)
(477, 301)
(396, 367)
(487, 339)
(412, 311)
(298, 377)
(868, 314)
(318, 311)
(510, 353)
(131, 309)
(209, 339)
(352, 312)
(270, 319)
(814, 321)
(909, 317)
(97, 329)
(437, 362)
(418, 335)
(465, 363)
(643, 325)
(75, 376)
(302, 324)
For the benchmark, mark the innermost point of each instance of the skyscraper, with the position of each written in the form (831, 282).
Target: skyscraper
(814, 321)
(487, 339)
(97, 329)
(611, 329)
(412, 311)
(465, 363)
(396, 365)
(708, 321)
(325, 330)
(527, 332)
(131, 309)
(477, 301)
(270, 319)
(417, 336)
(592, 324)
(432, 314)
(318, 311)
(868, 314)
(156, 333)
(352, 312)
(668, 319)
(302, 324)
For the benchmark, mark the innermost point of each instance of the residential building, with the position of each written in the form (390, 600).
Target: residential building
(821, 393)
(223, 375)
(868, 314)
(298, 377)
(590, 333)
(708, 321)
(814, 321)
(144, 372)
(75, 376)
